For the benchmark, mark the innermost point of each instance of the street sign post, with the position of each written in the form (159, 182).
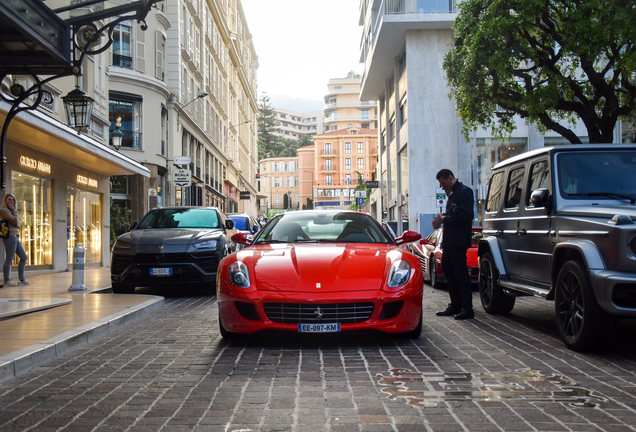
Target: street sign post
(182, 177)
(440, 197)
(182, 160)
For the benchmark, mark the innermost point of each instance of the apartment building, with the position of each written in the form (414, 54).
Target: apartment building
(343, 107)
(339, 156)
(186, 87)
(293, 124)
(403, 47)
(60, 178)
(279, 185)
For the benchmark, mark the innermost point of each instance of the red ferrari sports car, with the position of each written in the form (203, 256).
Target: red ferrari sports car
(429, 251)
(319, 271)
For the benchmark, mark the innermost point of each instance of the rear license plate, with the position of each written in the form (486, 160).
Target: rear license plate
(319, 328)
(160, 271)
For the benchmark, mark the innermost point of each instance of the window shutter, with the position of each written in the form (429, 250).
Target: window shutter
(141, 50)
(159, 55)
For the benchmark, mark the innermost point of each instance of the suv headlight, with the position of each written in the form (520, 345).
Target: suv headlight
(210, 244)
(631, 244)
(122, 245)
(239, 275)
(399, 274)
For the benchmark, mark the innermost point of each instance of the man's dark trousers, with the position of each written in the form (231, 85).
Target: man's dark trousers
(456, 272)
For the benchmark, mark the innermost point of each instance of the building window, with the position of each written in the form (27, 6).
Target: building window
(328, 180)
(347, 163)
(360, 163)
(277, 182)
(347, 148)
(365, 114)
(327, 148)
(128, 110)
(122, 57)
(360, 148)
(347, 179)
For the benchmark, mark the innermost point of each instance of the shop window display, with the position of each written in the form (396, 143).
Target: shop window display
(84, 211)
(33, 203)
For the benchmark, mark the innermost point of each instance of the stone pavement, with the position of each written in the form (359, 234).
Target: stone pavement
(43, 320)
(171, 371)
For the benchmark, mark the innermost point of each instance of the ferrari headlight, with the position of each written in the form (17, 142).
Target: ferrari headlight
(239, 275)
(122, 245)
(399, 274)
(210, 244)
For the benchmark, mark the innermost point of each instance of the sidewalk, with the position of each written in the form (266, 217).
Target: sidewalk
(44, 320)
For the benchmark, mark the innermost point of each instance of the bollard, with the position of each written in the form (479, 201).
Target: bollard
(78, 269)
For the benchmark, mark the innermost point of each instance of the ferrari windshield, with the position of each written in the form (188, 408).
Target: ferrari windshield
(323, 226)
(180, 218)
(602, 175)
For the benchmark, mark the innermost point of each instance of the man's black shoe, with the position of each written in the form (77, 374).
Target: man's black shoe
(465, 314)
(450, 311)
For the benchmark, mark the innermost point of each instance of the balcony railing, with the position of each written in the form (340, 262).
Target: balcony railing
(122, 61)
(130, 140)
(331, 152)
(419, 6)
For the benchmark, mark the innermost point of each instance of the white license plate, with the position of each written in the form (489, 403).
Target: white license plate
(319, 328)
(160, 271)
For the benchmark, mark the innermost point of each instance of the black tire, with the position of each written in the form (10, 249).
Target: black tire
(435, 283)
(580, 320)
(417, 331)
(224, 333)
(493, 299)
(119, 288)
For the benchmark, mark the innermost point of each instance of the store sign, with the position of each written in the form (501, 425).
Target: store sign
(182, 177)
(86, 181)
(244, 195)
(27, 162)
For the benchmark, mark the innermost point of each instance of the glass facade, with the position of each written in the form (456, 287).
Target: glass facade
(33, 203)
(84, 219)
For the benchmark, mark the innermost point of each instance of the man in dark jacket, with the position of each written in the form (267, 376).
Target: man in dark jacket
(458, 227)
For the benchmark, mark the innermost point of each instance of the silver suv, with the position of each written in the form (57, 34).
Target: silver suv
(559, 224)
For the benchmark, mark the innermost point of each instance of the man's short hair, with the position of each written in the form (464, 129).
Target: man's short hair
(444, 173)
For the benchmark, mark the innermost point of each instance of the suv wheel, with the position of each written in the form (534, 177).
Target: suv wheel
(579, 318)
(493, 299)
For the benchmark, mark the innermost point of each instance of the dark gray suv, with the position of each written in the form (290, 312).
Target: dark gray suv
(559, 224)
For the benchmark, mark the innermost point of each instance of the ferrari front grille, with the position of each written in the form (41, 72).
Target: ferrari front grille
(295, 313)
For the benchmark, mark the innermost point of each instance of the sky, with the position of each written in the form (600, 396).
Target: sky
(301, 45)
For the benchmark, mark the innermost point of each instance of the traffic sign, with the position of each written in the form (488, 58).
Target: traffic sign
(440, 197)
(360, 201)
(182, 160)
(182, 177)
(361, 194)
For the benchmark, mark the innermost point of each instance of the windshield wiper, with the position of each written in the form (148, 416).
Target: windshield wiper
(632, 200)
(270, 241)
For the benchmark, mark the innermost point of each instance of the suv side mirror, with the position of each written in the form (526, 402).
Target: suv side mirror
(541, 198)
(229, 224)
(254, 229)
(132, 225)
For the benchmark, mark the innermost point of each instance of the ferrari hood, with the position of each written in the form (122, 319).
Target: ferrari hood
(320, 268)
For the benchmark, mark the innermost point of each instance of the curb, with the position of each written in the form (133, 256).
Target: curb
(21, 361)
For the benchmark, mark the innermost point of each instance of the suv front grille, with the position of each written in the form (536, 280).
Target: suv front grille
(296, 313)
(206, 261)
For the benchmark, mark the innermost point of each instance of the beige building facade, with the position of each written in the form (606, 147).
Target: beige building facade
(280, 185)
(343, 107)
(293, 124)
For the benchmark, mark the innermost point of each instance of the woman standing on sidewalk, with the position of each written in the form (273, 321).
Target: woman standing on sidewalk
(11, 242)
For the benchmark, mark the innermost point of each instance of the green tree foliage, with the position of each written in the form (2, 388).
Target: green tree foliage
(119, 219)
(548, 61)
(269, 145)
(361, 185)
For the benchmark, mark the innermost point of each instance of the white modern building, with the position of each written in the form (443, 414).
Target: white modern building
(343, 107)
(293, 124)
(403, 47)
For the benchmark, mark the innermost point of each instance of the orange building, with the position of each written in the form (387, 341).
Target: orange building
(337, 157)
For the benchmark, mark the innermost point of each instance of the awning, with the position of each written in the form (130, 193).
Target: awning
(36, 130)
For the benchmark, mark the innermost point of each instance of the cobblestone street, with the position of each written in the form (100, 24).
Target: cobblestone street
(172, 371)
